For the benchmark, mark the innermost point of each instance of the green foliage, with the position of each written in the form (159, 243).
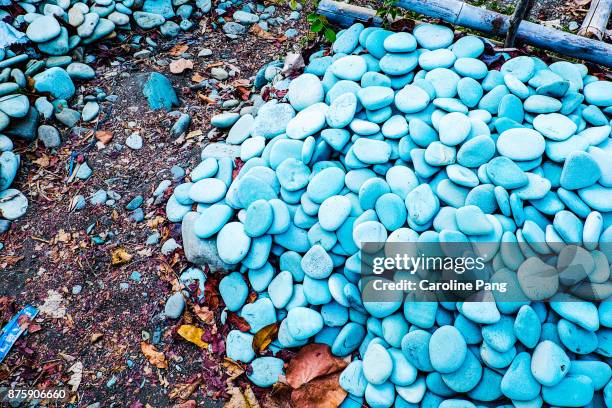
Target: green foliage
(320, 26)
(388, 11)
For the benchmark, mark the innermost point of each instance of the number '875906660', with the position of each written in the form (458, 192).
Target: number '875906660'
(35, 393)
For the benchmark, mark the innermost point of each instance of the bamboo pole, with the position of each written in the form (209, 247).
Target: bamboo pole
(486, 21)
(520, 12)
(596, 20)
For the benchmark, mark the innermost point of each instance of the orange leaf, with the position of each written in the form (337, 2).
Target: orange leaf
(264, 337)
(104, 136)
(120, 256)
(180, 65)
(155, 357)
(192, 334)
(178, 49)
(324, 392)
(312, 361)
(184, 391)
(266, 35)
(197, 77)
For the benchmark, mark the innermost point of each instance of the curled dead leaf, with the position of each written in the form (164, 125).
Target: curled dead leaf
(156, 358)
(178, 49)
(264, 337)
(193, 334)
(184, 391)
(312, 361)
(240, 399)
(180, 65)
(120, 256)
(324, 392)
(266, 35)
(104, 136)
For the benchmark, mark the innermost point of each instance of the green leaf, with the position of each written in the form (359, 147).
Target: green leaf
(293, 4)
(317, 26)
(312, 18)
(330, 35)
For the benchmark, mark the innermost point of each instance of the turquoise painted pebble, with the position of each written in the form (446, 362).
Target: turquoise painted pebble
(411, 138)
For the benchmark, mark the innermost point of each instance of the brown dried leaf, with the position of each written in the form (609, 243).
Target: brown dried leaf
(178, 49)
(43, 161)
(197, 77)
(184, 391)
(312, 361)
(323, 392)
(264, 337)
(104, 136)
(241, 399)
(266, 35)
(120, 256)
(205, 314)
(180, 65)
(237, 321)
(193, 334)
(155, 357)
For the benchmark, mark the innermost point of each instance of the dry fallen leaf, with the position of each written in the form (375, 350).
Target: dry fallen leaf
(323, 392)
(155, 357)
(264, 337)
(266, 35)
(180, 65)
(184, 391)
(120, 256)
(312, 361)
(178, 49)
(192, 334)
(43, 161)
(241, 399)
(205, 314)
(197, 77)
(104, 136)
(77, 375)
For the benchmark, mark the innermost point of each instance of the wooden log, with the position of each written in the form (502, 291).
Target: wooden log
(596, 20)
(485, 21)
(520, 12)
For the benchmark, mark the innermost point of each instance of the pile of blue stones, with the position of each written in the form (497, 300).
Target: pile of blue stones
(409, 137)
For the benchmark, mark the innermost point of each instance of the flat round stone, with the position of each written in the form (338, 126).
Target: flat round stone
(432, 36)
(211, 220)
(342, 110)
(375, 97)
(447, 349)
(259, 217)
(521, 144)
(399, 63)
(521, 67)
(351, 67)
(305, 123)
(442, 58)
(411, 99)
(233, 243)
(541, 104)
(468, 46)
(554, 126)
(304, 91)
(208, 190)
(13, 204)
(454, 128)
(326, 183)
(333, 212)
(444, 82)
(471, 67)
(598, 93)
(293, 174)
(372, 151)
(272, 119)
(303, 322)
(43, 29)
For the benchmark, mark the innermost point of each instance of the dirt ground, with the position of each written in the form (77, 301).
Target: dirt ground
(54, 248)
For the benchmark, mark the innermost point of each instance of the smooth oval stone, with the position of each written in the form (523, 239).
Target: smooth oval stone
(549, 363)
(208, 190)
(233, 290)
(259, 217)
(239, 346)
(598, 371)
(521, 144)
(472, 221)
(411, 99)
(441, 58)
(374, 42)
(505, 173)
(400, 42)
(251, 188)
(316, 263)
(422, 204)
(523, 68)
(224, 120)
(13, 204)
(211, 220)
(265, 371)
(432, 36)
(333, 212)
(292, 174)
(444, 82)
(597, 197)
(471, 68)
(391, 211)
(380, 396)
(351, 67)
(468, 46)
(415, 346)
(541, 104)
(576, 339)
(348, 40)
(470, 91)
(364, 127)
(377, 364)
(554, 126)
(272, 119)
(44, 28)
(572, 391)
(305, 123)
(397, 64)
(281, 289)
(395, 127)
(476, 151)
(326, 183)
(466, 377)
(352, 379)
(349, 339)
(303, 322)
(454, 127)
(372, 151)
(527, 326)
(341, 111)
(598, 93)
(233, 243)
(375, 97)
(447, 349)
(304, 91)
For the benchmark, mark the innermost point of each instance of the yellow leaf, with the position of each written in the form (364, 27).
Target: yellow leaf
(264, 337)
(120, 256)
(192, 334)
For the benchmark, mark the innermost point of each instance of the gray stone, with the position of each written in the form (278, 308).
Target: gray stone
(199, 251)
(49, 136)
